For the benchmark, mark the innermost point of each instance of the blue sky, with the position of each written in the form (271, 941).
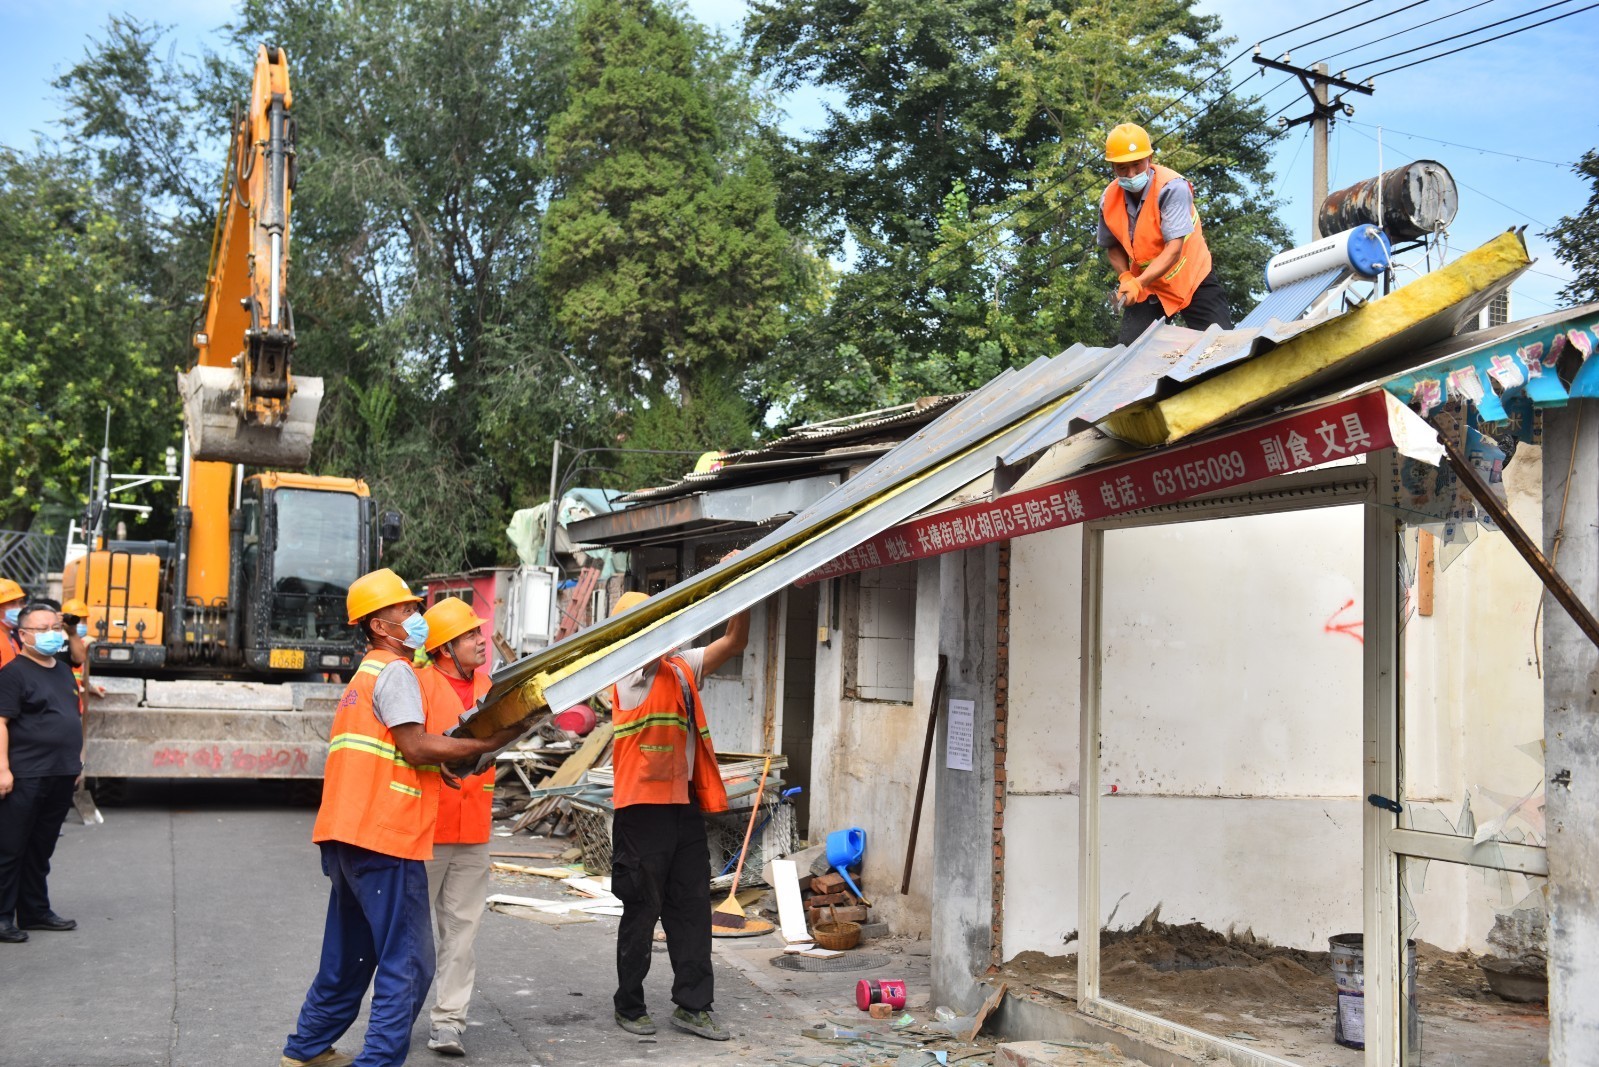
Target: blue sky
(1529, 96)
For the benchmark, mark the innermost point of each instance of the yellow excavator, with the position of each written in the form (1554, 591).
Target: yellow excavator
(219, 649)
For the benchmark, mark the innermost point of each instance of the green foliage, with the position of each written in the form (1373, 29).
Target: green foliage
(964, 173)
(666, 266)
(1576, 238)
(75, 338)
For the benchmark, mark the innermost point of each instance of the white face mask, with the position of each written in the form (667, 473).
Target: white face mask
(1134, 184)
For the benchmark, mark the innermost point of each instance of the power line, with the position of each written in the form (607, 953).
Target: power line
(1464, 33)
(1467, 147)
(1463, 185)
(1409, 29)
(1491, 40)
(1358, 25)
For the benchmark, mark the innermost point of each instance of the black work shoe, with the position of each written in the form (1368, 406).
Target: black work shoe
(701, 1023)
(10, 933)
(643, 1026)
(50, 921)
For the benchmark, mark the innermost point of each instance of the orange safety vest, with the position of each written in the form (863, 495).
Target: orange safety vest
(465, 814)
(1176, 287)
(8, 645)
(649, 752)
(371, 797)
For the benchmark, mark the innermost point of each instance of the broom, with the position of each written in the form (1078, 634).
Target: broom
(730, 913)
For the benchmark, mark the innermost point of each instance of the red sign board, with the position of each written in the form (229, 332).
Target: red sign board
(1294, 442)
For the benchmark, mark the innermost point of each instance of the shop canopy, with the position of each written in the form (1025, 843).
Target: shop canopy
(1272, 403)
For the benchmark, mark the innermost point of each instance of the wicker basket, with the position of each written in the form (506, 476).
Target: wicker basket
(836, 935)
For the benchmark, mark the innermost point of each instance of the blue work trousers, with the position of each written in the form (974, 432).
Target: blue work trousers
(378, 928)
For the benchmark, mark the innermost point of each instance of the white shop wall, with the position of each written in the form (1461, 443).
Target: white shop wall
(1232, 696)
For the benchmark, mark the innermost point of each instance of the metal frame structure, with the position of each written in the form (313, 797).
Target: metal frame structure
(1385, 845)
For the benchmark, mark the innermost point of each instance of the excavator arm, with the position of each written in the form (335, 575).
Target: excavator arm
(241, 403)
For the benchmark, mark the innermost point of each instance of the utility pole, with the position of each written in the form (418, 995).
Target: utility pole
(1316, 81)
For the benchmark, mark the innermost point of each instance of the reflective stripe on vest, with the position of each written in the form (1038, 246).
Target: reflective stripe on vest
(465, 813)
(371, 797)
(1175, 289)
(649, 746)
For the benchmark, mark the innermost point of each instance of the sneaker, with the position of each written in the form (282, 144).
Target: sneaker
(331, 1058)
(643, 1026)
(701, 1023)
(446, 1040)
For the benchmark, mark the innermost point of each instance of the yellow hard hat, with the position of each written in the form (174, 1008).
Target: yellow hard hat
(75, 607)
(10, 590)
(376, 591)
(449, 619)
(1126, 143)
(629, 600)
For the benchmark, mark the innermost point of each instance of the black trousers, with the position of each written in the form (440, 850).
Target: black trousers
(1207, 308)
(30, 822)
(661, 869)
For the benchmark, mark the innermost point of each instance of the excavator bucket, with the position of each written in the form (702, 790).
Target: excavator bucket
(216, 431)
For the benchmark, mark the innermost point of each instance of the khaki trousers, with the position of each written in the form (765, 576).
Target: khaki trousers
(458, 884)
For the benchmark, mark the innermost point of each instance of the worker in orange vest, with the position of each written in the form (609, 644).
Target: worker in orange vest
(666, 776)
(380, 797)
(1160, 257)
(11, 600)
(458, 873)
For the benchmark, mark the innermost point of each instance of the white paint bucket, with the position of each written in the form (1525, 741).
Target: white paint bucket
(1349, 973)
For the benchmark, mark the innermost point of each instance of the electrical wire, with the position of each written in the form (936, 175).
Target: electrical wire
(1409, 29)
(1467, 147)
(1468, 33)
(1357, 26)
(1463, 185)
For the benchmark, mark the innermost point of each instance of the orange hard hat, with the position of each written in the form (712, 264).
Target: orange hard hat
(75, 607)
(10, 590)
(376, 591)
(449, 619)
(629, 600)
(1126, 143)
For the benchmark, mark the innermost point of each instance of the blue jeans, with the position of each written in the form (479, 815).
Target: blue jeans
(378, 927)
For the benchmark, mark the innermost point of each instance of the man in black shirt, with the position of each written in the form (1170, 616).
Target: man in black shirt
(41, 760)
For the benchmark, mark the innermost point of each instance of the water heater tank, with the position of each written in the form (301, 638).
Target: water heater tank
(1363, 250)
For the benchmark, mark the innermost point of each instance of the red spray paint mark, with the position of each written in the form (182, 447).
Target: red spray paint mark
(1349, 627)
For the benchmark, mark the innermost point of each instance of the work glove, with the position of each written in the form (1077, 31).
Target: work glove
(1128, 291)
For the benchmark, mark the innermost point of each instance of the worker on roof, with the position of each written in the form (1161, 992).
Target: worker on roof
(11, 600)
(380, 797)
(666, 777)
(458, 873)
(1160, 257)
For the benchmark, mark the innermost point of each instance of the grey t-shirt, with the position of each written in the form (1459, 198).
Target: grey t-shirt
(1176, 213)
(397, 696)
(635, 687)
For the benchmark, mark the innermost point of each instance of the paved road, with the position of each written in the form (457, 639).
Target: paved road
(200, 913)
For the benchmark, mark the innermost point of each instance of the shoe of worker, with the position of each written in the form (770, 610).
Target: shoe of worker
(331, 1058)
(701, 1023)
(49, 921)
(446, 1040)
(10, 933)
(643, 1026)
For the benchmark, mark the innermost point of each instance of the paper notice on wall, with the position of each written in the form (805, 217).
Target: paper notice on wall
(959, 742)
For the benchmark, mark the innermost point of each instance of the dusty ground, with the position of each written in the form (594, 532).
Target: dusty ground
(1281, 1000)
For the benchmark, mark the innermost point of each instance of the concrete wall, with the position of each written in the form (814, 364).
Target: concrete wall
(1571, 701)
(865, 758)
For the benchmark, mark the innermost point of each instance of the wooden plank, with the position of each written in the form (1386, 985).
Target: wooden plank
(789, 908)
(1426, 569)
(986, 1010)
(581, 760)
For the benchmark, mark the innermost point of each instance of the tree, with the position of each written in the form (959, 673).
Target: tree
(75, 338)
(662, 255)
(964, 171)
(1576, 238)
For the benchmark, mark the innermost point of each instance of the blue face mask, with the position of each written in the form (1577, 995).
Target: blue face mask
(49, 643)
(416, 630)
(83, 629)
(11, 617)
(1135, 184)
